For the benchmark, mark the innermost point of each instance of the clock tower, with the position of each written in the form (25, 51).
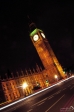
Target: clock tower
(45, 52)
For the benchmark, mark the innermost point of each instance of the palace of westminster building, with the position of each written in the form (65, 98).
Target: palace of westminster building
(12, 89)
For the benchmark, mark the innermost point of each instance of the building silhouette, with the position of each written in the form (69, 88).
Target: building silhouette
(12, 88)
(45, 52)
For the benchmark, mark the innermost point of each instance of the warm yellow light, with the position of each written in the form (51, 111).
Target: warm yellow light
(24, 85)
(56, 76)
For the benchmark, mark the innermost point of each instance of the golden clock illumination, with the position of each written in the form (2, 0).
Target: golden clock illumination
(35, 37)
(43, 35)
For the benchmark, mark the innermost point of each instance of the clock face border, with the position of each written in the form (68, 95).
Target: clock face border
(42, 34)
(35, 37)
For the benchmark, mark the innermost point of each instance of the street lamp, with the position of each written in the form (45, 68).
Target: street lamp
(56, 77)
(24, 86)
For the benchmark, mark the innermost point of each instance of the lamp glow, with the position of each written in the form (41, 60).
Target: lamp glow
(56, 76)
(24, 85)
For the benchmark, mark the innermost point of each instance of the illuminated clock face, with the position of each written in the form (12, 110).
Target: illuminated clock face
(35, 37)
(43, 35)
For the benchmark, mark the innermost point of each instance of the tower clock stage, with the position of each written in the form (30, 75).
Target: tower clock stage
(46, 54)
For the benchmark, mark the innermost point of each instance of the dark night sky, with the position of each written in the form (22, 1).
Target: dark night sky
(54, 18)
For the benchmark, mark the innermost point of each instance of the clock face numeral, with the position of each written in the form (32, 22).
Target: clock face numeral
(35, 37)
(43, 35)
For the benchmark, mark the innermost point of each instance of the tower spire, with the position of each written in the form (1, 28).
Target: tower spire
(45, 53)
(31, 24)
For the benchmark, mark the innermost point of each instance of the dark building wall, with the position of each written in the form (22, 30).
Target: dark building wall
(2, 97)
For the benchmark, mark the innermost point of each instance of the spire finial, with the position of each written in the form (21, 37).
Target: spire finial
(31, 24)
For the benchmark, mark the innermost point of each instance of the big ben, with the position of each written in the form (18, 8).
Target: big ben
(45, 52)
